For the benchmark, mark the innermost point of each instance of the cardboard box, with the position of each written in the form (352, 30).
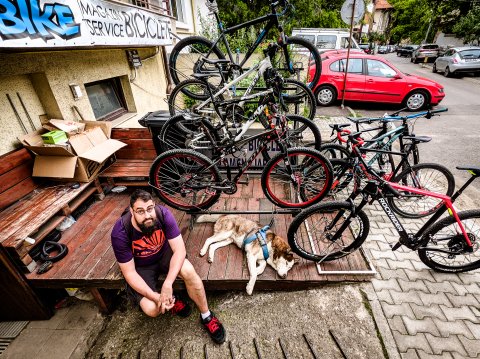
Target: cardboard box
(81, 161)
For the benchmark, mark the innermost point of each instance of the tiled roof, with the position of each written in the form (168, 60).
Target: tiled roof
(382, 4)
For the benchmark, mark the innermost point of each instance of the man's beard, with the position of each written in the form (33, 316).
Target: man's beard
(147, 229)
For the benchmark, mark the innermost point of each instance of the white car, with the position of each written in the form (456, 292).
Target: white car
(458, 60)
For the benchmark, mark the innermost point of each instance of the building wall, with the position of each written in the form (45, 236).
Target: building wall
(42, 79)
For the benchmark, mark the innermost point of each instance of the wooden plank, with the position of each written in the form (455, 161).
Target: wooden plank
(15, 193)
(25, 218)
(131, 133)
(235, 255)
(14, 159)
(135, 144)
(15, 175)
(127, 153)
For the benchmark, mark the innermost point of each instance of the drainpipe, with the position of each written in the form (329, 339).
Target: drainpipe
(166, 69)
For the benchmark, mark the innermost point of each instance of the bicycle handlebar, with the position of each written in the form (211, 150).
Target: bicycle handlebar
(387, 118)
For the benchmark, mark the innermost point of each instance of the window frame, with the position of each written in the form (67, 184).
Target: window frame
(384, 64)
(338, 61)
(116, 85)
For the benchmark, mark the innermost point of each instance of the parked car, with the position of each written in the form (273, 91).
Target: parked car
(373, 79)
(406, 50)
(458, 60)
(366, 48)
(325, 39)
(383, 50)
(425, 51)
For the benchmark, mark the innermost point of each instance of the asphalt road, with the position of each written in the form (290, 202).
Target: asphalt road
(456, 133)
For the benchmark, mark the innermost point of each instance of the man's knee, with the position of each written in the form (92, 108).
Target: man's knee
(149, 308)
(187, 272)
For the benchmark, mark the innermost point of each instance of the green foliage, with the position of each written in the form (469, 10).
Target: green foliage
(469, 26)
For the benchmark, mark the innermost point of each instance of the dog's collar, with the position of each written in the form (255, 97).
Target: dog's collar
(261, 236)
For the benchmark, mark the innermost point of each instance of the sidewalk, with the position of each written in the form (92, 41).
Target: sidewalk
(411, 312)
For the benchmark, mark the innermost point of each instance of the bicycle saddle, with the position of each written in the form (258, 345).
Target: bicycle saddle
(215, 61)
(474, 170)
(205, 76)
(418, 139)
(339, 126)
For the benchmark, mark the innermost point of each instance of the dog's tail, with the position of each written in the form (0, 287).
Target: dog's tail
(208, 218)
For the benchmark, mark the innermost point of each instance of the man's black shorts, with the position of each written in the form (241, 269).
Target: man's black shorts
(150, 274)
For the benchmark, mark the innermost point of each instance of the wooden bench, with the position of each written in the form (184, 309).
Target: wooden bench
(33, 208)
(133, 161)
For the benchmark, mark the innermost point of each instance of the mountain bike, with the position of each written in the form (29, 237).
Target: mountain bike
(331, 230)
(295, 58)
(294, 178)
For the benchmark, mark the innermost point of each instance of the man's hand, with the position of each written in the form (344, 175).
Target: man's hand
(166, 301)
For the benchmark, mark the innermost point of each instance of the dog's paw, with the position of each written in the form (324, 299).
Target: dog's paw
(250, 288)
(210, 259)
(203, 252)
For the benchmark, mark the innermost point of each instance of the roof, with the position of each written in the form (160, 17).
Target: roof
(382, 4)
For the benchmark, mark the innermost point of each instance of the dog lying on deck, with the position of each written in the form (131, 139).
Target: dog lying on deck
(239, 230)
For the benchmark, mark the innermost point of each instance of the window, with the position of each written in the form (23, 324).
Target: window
(344, 43)
(379, 69)
(106, 98)
(156, 5)
(470, 54)
(326, 41)
(355, 66)
(178, 10)
(309, 38)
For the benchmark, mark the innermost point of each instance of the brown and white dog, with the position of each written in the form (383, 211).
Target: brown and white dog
(235, 229)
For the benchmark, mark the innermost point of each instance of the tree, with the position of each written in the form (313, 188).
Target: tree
(469, 26)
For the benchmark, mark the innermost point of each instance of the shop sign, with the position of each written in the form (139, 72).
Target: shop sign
(67, 23)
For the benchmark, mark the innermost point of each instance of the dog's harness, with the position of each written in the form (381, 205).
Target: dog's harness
(261, 236)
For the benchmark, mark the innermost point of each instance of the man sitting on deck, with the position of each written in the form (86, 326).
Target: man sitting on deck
(147, 242)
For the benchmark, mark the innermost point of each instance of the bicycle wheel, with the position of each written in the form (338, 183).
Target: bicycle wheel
(335, 151)
(185, 55)
(327, 231)
(302, 132)
(445, 249)
(426, 176)
(183, 179)
(304, 59)
(299, 99)
(186, 132)
(304, 179)
(188, 95)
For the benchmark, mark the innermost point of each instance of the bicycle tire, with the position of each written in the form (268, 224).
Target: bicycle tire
(441, 180)
(310, 168)
(300, 236)
(172, 175)
(335, 151)
(300, 52)
(190, 93)
(182, 132)
(302, 132)
(439, 234)
(187, 65)
(299, 99)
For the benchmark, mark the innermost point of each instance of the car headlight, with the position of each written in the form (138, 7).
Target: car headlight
(441, 90)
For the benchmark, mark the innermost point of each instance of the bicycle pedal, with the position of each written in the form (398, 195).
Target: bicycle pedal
(245, 181)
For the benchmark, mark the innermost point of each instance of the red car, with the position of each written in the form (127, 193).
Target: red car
(373, 79)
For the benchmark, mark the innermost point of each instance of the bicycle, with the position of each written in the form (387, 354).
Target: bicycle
(195, 94)
(296, 56)
(331, 230)
(294, 178)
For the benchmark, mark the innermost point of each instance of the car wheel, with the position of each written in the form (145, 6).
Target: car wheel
(434, 68)
(398, 54)
(447, 72)
(416, 100)
(411, 59)
(325, 95)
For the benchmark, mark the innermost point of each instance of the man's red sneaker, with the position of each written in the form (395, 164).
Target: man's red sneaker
(181, 308)
(214, 328)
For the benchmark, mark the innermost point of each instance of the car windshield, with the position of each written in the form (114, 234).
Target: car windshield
(326, 41)
(309, 38)
(430, 47)
(470, 54)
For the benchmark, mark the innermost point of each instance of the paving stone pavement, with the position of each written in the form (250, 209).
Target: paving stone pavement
(430, 314)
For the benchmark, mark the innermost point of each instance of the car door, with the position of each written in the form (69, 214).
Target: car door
(355, 84)
(383, 83)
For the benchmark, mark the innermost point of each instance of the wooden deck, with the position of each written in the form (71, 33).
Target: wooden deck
(91, 260)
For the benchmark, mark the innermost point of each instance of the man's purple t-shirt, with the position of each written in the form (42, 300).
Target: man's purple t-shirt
(144, 250)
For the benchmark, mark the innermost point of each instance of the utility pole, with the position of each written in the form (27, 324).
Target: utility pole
(348, 55)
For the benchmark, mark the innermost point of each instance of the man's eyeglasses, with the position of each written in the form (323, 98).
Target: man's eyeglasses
(141, 211)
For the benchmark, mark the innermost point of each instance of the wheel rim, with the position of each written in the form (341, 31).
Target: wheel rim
(434, 68)
(416, 101)
(325, 96)
(174, 177)
(447, 71)
(311, 180)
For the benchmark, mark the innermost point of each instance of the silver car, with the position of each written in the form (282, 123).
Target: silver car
(458, 60)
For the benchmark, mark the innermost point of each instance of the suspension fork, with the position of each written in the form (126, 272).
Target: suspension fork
(347, 221)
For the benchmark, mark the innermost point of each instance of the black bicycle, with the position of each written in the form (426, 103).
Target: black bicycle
(296, 57)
